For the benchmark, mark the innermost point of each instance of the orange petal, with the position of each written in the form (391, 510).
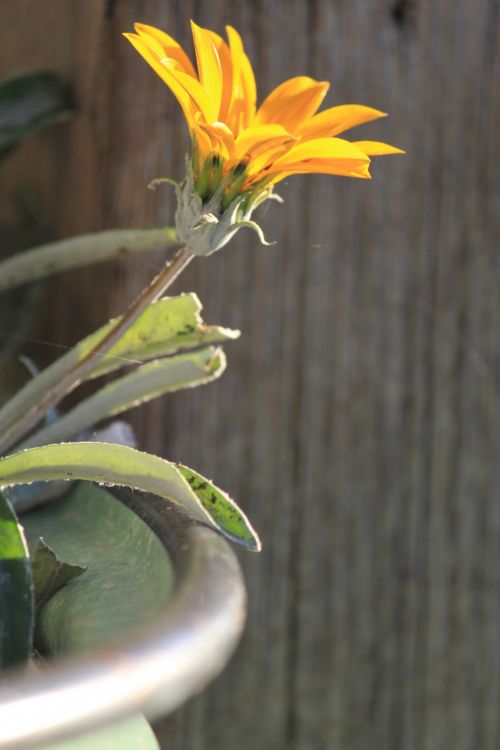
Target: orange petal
(227, 72)
(323, 155)
(292, 102)
(222, 138)
(363, 172)
(169, 47)
(177, 89)
(196, 91)
(203, 140)
(323, 149)
(244, 90)
(254, 139)
(209, 67)
(316, 166)
(153, 44)
(338, 119)
(376, 148)
(259, 165)
(322, 166)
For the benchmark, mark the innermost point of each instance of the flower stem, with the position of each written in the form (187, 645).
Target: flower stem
(73, 377)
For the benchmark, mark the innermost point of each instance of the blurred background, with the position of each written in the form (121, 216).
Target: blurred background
(358, 423)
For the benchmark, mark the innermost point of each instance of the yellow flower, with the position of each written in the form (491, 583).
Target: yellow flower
(240, 149)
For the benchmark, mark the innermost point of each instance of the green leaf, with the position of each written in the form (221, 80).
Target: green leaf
(29, 102)
(167, 326)
(143, 384)
(12, 543)
(50, 573)
(116, 464)
(132, 733)
(83, 250)
(16, 591)
(216, 502)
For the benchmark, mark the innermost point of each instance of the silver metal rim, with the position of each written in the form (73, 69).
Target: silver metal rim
(159, 669)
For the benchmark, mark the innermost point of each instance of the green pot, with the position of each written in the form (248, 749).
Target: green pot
(154, 618)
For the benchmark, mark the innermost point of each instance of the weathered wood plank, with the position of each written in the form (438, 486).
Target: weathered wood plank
(359, 420)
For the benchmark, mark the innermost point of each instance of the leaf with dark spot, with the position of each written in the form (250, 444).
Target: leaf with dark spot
(118, 464)
(226, 514)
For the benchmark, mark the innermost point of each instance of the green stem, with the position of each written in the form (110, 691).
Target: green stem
(73, 377)
(83, 250)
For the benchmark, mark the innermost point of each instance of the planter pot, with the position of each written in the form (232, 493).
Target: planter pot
(154, 618)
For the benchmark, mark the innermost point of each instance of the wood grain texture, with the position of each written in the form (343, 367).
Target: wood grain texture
(358, 422)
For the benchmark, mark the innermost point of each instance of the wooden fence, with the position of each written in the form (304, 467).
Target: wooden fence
(358, 422)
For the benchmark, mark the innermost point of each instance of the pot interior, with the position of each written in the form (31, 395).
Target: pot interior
(129, 576)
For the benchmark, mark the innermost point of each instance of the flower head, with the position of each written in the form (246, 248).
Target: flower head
(240, 151)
